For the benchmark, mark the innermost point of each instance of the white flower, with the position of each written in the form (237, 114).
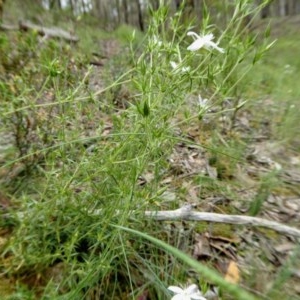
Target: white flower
(204, 41)
(203, 103)
(156, 41)
(176, 67)
(173, 64)
(190, 293)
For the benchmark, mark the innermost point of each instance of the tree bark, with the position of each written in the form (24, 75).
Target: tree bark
(265, 12)
(1, 9)
(140, 15)
(125, 7)
(155, 4)
(292, 7)
(54, 3)
(282, 8)
(198, 10)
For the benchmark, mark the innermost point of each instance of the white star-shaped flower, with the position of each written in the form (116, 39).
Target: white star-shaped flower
(203, 103)
(190, 293)
(204, 41)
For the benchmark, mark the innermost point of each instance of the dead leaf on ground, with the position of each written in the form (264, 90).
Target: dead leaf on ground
(232, 274)
(202, 247)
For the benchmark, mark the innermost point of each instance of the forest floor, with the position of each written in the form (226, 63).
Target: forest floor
(247, 163)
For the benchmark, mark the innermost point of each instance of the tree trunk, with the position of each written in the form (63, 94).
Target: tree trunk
(155, 4)
(140, 15)
(125, 7)
(1, 10)
(118, 11)
(282, 8)
(292, 7)
(55, 3)
(265, 12)
(198, 10)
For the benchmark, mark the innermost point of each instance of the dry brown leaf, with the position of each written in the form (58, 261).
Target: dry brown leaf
(202, 247)
(233, 273)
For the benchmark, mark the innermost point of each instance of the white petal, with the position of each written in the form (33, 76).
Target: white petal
(210, 45)
(193, 34)
(196, 45)
(208, 37)
(173, 64)
(191, 289)
(211, 294)
(197, 297)
(185, 69)
(181, 297)
(175, 289)
(202, 102)
(218, 48)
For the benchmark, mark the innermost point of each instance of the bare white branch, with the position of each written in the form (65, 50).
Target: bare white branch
(186, 213)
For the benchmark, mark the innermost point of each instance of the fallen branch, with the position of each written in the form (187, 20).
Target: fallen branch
(50, 32)
(6, 27)
(187, 213)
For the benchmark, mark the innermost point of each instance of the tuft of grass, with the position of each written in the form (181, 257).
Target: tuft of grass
(76, 157)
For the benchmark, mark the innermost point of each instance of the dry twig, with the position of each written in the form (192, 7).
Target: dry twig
(51, 32)
(186, 213)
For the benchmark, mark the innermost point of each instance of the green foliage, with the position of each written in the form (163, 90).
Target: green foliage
(201, 269)
(124, 34)
(79, 157)
(278, 77)
(264, 191)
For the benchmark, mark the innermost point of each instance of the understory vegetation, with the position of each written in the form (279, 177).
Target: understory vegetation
(96, 133)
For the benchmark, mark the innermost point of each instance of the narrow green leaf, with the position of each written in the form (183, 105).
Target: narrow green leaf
(209, 274)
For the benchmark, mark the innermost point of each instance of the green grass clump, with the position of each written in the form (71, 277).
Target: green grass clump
(73, 168)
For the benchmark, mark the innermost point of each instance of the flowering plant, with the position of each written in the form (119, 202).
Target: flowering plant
(189, 293)
(204, 41)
